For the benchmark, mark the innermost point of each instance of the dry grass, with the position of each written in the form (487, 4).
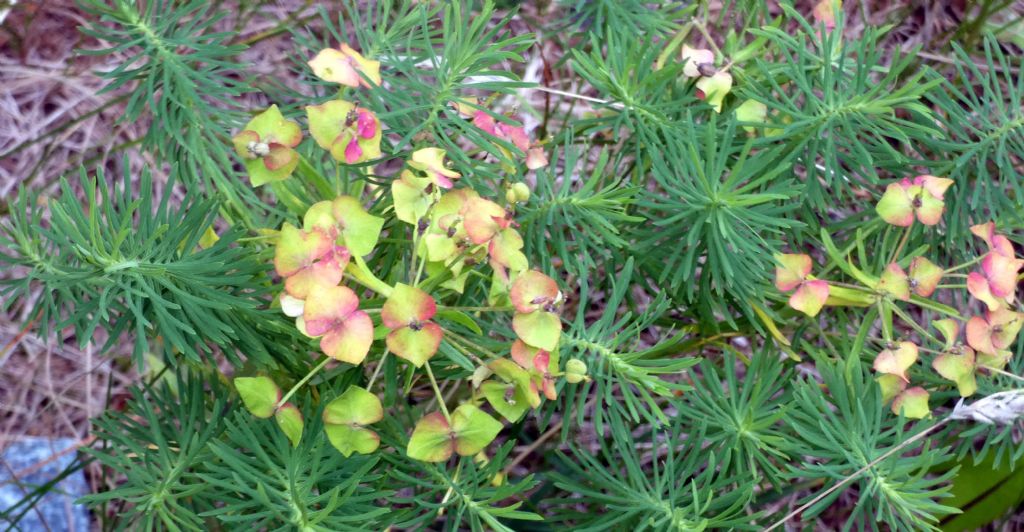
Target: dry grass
(48, 125)
(52, 120)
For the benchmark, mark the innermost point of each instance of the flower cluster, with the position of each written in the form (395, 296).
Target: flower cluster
(792, 272)
(920, 198)
(504, 129)
(993, 285)
(453, 231)
(713, 84)
(455, 228)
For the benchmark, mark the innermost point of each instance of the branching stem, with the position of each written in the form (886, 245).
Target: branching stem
(856, 474)
(899, 247)
(967, 264)
(304, 380)
(376, 371)
(437, 393)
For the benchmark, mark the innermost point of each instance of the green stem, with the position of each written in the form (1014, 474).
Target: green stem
(419, 271)
(967, 264)
(903, 242)
(304, 380)
(851, 286)
(359, 272)
(1004, 373)
(886, 318)
(376, 370)
(437, 392)
(699, 24)
(913, 324)
(476, 309)
(468, 343)
(291, 22)
(923, 349)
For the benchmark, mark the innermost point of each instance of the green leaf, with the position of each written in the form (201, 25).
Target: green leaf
(259, 394)
(289, 419)
(984, 493)
(539, 328)
(461, 318)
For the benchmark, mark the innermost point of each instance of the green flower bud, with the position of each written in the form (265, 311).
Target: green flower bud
(522, 192)
(575, 371)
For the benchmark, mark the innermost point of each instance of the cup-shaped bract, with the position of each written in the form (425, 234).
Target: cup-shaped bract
(352, 134)
(265, 146)
(894, 282)
(483, 219)
(536, 298)
(714, 89)
(307, 260)
(346, 221)
(346, 333)
(697, 61)
(995, 332)
(792, 271)
(959, 368)
(539, 363)
(259, 395)
(532, 290)
(897, 360)
(920, 198)
(344, 65)
(752, 112)
(912, 402)
(891, 386)
(407, 312)
(435, 439)
(431, 162)
(506, 254)
(289, 420)
(514, 394)
(925, 276)
(516, 135)
(412, 197)
(950, 329)
(346, 418)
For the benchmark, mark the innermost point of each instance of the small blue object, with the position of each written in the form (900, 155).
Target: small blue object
(32, 459)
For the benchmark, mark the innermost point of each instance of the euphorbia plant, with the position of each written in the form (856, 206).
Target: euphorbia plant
(992, 287)
(339, 301)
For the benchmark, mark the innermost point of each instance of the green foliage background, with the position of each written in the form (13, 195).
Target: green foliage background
(658, 215)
